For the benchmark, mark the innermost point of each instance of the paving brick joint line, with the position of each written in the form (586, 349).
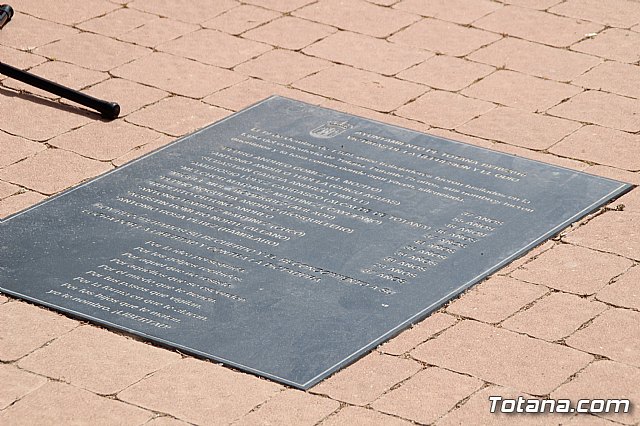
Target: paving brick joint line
(555, 81)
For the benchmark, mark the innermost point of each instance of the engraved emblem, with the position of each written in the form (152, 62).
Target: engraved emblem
(330, 129)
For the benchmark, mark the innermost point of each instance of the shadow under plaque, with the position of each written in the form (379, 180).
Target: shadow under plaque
(287, 240)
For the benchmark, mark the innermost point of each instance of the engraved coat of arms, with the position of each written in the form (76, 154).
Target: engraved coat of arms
(330, 129)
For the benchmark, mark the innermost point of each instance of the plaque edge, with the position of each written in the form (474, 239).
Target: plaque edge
(623, 187)
(423, 314)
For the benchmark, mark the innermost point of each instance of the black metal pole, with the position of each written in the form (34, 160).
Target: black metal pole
(109, 110)
(6, 13)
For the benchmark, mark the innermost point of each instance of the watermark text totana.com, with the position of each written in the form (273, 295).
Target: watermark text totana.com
(524, 405)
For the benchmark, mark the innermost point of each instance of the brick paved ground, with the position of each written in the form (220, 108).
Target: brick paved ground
(552, 80)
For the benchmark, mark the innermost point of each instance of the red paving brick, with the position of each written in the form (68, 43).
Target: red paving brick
(166, 421)
(614, 77)
(447, 73)
(107, 364)
(27, 328)
(178, 75)
(601, 108)
(537, 26)
(367, 53)
(57, 403)
(444, 37)
(589, 420)
(104, 141)
(502, 357)
(624, 291)
(520, 128)
(290, 32)
(357, 416)
(535, 59)
(187, 115)
(534, 4)
(67, 12)
(613, 232)
(496, 299)
(440, 390)
(92, 51)
(253, 90)
(18, 202)
(458, 11)
(200, 392)
(444, 109)
(613, 43)
(358, 16)
(16, 384)
(601, 145)
(229, 51)
(418, 333)
(614, 334)
(573, 269)
(142, 150)
(521, 91)
(282, 66)
(46, 118)
(555, 316)
(614, 13)
(605, 380)
(384, 2)
(7, 189)
(612, 173)
(118, 22)
(27, 32)
(192, 11)
(290, 407)
(241, 19)
(631, 199)
(52, 171)
(280, 5)
(363, 382)
(543, 156)
(526, 258)
(361, 88)
(158, 31)
(14, 149)
(19, 59)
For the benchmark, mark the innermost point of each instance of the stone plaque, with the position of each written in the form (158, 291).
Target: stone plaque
(287, 240)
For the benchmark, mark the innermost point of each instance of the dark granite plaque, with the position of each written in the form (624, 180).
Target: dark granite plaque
(287, 240)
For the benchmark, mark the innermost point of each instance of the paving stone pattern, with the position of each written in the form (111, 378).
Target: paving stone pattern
(552, 80)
